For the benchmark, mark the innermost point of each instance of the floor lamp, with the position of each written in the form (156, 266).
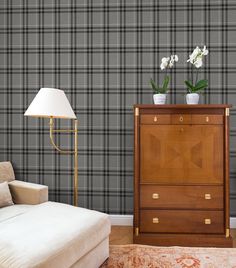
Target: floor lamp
(52, 103)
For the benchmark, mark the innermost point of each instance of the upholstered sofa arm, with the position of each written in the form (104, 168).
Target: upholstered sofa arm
(28, 193)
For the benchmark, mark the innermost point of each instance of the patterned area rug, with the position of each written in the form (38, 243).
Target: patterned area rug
(137, 256)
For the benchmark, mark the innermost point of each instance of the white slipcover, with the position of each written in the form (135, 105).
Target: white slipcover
(50, 235)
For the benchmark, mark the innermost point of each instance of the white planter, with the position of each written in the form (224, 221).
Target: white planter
(159, 98)
(192, 98)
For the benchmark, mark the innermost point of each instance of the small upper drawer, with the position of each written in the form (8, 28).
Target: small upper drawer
(155, 119)
(207, 119)
(181, 119)
(177, 119)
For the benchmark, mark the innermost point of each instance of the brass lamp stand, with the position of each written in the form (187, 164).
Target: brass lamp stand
(74, 152)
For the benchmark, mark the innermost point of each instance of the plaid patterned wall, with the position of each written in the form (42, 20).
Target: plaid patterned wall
(102, 53)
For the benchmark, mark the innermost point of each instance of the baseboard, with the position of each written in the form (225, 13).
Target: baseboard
(127, 220)
(123, 220)
(232, 222)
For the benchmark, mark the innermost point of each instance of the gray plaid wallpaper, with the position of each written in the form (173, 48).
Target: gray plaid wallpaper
(103, 53)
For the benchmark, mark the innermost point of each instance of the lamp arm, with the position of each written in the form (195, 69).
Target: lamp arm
(52, 140)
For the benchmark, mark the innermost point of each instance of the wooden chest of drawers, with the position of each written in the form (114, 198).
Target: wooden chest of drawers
(181, 178)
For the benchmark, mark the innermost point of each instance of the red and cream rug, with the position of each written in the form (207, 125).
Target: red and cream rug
(141, 256)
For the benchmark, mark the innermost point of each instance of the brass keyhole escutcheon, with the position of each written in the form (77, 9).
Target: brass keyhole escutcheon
(207, 221)
(155, 196)
(155, 119)
(207, 119)
(155, 220)
(181, 119)
(181, 130)
(207, 196)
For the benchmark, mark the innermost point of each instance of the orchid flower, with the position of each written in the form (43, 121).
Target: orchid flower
(196, 58)
(166, 62)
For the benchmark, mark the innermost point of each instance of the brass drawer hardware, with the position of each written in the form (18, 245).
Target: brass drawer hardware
(208, 196)
(155, 220)
(155, 119)
(227, 232)
(155, 196)
(227, 111)
(181, 119)
(207, 119)
(207, 221)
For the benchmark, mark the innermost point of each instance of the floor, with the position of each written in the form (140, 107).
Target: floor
(121, 235)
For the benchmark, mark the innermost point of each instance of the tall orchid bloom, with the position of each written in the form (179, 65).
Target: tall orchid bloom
(196, 59)
(166, 63)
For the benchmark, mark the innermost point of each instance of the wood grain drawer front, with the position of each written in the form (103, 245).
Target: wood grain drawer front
(181, 119)
(181, 221)
(182, 197)
(155, 119)
(207, 119)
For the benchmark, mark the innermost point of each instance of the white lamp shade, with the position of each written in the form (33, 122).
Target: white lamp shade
(50, 102)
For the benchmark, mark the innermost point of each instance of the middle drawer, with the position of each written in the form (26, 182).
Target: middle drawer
(184, 197)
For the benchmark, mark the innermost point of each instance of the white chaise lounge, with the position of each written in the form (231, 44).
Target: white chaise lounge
(42, 234)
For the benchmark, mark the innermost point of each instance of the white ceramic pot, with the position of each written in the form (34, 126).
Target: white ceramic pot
(192, 98)
(159, 98)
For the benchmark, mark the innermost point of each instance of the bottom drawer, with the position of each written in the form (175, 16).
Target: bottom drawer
(181, 221)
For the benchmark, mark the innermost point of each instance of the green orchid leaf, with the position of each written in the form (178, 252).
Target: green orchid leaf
(165, 83)
(156, 88)
(162, 90)
(199, 88)
(201, 85)
(189, 85)
(153, 85)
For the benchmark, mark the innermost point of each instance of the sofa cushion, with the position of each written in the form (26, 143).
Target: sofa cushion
(51, 235)
(6, 172)
(5, 195)
(13, 211)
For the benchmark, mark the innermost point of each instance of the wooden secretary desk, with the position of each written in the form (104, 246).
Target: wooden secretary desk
(181, 175)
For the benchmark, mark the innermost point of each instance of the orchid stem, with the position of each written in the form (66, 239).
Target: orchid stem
(196, 77)
(192, 74)
(165, 76)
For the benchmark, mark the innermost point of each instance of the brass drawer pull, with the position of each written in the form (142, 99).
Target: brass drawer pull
(155, 196)
(207, 196)
(181, 119)
(155, 119)
(207, 221)
(155, 220)
(207, 119)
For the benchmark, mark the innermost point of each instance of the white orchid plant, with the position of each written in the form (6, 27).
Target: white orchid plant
(166, 63)
(196, 59)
